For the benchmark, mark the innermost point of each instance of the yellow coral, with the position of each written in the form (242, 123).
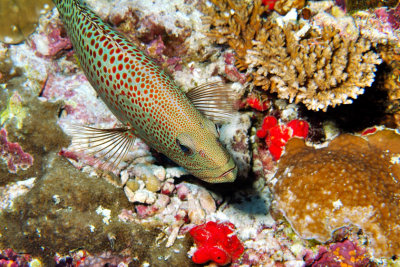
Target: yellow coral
(299, 63)
(354, 181)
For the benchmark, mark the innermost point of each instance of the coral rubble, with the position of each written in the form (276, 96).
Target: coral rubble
(355, 180)
(318, 67)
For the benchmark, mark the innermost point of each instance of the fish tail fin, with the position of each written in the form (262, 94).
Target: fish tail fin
(108, 146)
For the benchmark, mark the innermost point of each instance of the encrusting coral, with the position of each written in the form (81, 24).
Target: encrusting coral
(318, 67)
(352, 181)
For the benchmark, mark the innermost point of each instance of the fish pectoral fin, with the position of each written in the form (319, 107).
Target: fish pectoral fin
(215, 100)
(109, 145)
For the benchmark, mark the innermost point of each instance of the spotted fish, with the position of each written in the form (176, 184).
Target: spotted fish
(146, 100)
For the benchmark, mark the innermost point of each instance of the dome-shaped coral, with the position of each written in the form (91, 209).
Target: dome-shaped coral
(355, 180)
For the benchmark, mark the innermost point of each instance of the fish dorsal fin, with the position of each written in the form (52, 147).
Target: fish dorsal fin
(110, 146)
(215, 100)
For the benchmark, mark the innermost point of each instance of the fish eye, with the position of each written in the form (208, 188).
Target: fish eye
(185, 149)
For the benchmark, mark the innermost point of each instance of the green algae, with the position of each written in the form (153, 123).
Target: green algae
(19, 18)
(60, 214)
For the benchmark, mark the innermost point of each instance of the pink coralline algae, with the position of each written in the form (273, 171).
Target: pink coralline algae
(391, 16)
(276, 136)
(55, 40)
(232, 73)
(216, 242)
(14, 155)
(340, 254)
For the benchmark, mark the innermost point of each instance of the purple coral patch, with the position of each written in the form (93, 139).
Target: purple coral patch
(13, 154)
(342, 253)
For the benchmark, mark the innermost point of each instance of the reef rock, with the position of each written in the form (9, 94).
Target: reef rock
(353, 181)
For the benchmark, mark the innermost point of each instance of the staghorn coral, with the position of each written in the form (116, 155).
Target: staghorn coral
(391, 80)
(284, 6)
(355, 180)
(319, 68)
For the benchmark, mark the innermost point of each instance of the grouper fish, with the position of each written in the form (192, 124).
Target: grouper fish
(147, 101)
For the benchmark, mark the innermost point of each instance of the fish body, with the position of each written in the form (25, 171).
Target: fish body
(143, 97)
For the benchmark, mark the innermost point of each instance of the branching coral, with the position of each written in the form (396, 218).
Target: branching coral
(355, 180)
(317, 67)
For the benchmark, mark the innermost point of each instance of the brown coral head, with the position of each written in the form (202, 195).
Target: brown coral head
(353, 181)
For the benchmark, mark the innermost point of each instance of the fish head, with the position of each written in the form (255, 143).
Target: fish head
(203, 155)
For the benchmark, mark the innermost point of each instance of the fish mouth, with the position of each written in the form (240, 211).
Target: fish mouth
(222, 174)
(226, 173)
(228, 176)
